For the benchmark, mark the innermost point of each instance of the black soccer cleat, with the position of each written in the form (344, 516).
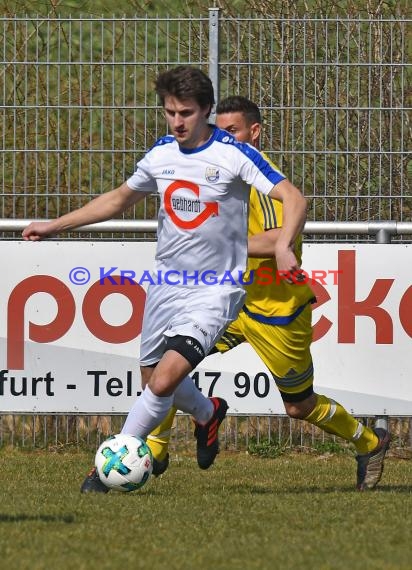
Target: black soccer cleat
(92, 483)
(159, 467)
(370, 465)
(207, 434)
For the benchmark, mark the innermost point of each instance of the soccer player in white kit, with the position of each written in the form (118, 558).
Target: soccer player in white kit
(203, 177)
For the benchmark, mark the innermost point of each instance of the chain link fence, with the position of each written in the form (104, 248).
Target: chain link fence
(79, 108)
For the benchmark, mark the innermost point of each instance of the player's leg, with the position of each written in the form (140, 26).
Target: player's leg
(286, 352)
(152, 349)
(150, 409)
(220, 306)
(171, 346)
(158, 441)
(152, 406)
(232, 337)
(190, 402)
(190, 334)
(331, 416)
(92, 483)
(187, 398)
(192, 323)
(208, 413)
(371, 445)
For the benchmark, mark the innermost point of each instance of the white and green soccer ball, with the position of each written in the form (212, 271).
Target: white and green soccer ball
(124, 462)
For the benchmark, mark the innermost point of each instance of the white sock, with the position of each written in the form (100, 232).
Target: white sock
(147, 413)
(188, 399)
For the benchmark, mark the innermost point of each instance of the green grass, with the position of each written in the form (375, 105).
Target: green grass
(294, 511)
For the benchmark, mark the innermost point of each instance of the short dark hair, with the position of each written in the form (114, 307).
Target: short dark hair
(185, 82)
(239, 104)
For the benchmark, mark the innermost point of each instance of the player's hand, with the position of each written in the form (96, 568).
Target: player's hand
(36, 231)
(287, 264)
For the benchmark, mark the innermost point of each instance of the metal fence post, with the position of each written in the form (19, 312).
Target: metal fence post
(383, 234)
(214, 53)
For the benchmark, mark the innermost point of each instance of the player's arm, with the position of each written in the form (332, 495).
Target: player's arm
(262, 245)
(104, 207)
(294, 217)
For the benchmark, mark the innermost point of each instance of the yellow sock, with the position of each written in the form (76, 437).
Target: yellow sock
(158, 439)
(333, 418)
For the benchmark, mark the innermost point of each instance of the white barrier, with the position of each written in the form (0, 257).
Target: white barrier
(67, 347)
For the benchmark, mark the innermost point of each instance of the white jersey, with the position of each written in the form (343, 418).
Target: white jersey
(203, 212)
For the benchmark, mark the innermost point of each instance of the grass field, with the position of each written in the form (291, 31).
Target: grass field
(295, 511)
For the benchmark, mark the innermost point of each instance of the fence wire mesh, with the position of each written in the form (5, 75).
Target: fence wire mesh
(238, 433)
(79, 106)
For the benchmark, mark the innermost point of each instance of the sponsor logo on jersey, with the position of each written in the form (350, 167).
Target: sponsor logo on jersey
(168, 171)
(188, 205)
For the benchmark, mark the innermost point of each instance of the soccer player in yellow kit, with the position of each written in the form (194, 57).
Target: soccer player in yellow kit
(276, 321)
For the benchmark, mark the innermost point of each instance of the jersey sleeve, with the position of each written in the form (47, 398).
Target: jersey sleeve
(269, 212)
(257, 170)
(141, 180)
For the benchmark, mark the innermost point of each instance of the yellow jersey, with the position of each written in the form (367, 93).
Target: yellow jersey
(268, 294)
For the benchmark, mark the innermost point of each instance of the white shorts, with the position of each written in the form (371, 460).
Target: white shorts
(200, 312)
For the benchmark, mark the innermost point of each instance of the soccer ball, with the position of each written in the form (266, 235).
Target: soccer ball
(124, 462)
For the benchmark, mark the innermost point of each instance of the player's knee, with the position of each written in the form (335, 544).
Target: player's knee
(299, 406)
(146, 373)
(160, 385)
(158, 379)
(295, 411)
